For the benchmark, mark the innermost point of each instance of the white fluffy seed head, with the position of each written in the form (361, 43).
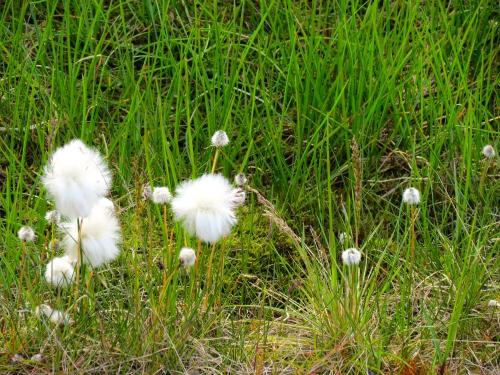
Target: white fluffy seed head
(26, 234)
(240, 179)
(76, 177)
(59, 271)
(351, 257)
(206, 207)
(489, 151)
(55, 316)
(220, 139)
(187, 257)
(493, 303)
(161, 195)
(100, 232)
(53, 217)
(411, 196)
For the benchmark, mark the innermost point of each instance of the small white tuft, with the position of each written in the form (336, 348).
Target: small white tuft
(343, 237)
(161, 195)
(59, 271)
(238, 198)
(76, 177)
(240, 179)
(53, 217)
(493, 303)
(206, 206)
(147, 191)
(37, 357)
(351, 257)
(489, 151)
(100, 232)
(220, 139)
(55, 316)
(26, 234)
(411, 196)
(187, 257)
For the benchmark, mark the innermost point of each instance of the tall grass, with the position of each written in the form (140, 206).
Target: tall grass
(293, 83)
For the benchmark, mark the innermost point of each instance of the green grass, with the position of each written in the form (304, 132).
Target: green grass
(293, 83)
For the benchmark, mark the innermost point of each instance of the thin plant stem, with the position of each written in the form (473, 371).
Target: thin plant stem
(79, 255)
(208, 284)
(216, 156)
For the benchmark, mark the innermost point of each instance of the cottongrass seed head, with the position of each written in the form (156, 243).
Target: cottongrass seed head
(411, 196)
(206, 207)
(76, 177)
(100, 232)
(53, 217)
(161, 195)
(60, 271)
(55, 316)
(220, 139)
(489, 151)
(493, 303)
(351, 257)
(26, 234)
(187, 257)
(239, 197)
(147, 191)
(240, 179)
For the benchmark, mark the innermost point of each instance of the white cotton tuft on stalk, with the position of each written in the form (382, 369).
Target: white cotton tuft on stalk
(240, 179)
(55, 316)
(351, 257)
(161, 195)
(53, 217)
(76, 177)
(26, 234)
(60, 271)
(220, 139)
(489, 151)
(100, 235)
(187, 257)
(411, 196)
(206, 206)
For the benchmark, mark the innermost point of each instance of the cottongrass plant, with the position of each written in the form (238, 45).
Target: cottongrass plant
(219, 140)
(351, 258)
(489, 154)
(97, 238)
(206, 207)
(411, 197)
(161, 195)
(77, 179)
(25, 234)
